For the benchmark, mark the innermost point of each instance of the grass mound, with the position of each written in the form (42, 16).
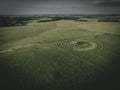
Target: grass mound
(83, 45)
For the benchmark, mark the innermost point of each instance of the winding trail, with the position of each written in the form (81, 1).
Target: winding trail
(24, 46)
(6, 51)
(91, 47)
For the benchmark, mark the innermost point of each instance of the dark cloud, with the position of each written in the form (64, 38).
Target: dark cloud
(59, 6)
(111, 3)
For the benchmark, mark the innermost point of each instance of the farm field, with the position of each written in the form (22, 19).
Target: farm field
(60, 55)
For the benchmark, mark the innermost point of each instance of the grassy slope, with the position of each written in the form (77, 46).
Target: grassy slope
(50, 65)
(104, 27)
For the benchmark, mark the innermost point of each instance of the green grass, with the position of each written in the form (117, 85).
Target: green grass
(51, 63)
(102, 27)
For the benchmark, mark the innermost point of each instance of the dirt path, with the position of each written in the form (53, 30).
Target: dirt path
(6, 51)
(24, 46)
(92, 46)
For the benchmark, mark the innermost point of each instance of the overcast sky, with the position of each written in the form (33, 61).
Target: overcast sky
(59, 7)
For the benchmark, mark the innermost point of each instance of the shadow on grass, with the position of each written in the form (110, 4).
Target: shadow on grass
(9, 79)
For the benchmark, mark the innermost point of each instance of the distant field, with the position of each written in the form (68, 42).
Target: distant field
(43, 55)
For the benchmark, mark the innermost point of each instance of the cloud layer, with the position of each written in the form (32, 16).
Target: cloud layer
(59, 6)
(112, 3)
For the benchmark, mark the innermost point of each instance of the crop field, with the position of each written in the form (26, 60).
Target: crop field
(60, 55)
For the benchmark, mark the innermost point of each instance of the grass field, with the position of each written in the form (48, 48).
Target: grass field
(41, 56)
